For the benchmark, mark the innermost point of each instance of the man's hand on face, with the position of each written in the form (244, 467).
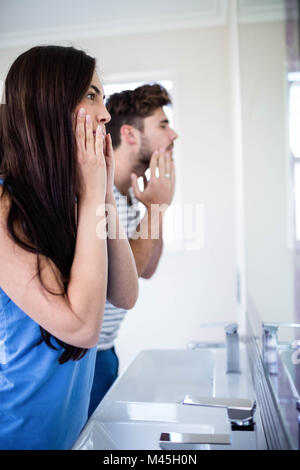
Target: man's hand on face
(160, 187)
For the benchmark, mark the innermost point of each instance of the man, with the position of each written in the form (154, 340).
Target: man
(142, 138)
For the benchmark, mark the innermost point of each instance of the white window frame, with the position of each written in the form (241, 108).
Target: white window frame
(160, 76)
(293, 78)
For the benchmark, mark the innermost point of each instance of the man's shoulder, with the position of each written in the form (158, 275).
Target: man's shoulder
(131, 201)
(128, 210)
(116, 191)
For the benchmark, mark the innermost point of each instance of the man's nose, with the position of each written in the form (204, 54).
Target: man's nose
(174, 134)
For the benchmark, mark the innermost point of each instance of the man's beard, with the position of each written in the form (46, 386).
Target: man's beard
(143, 157)
(145, 154)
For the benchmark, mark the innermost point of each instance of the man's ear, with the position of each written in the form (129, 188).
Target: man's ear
(129, 134)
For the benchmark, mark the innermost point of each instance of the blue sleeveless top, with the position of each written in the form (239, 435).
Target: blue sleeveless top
(43, 404)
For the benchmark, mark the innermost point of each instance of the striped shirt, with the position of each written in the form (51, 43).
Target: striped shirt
(129, 215)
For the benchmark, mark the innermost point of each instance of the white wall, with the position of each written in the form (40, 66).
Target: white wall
(190, 287)
(269, 257)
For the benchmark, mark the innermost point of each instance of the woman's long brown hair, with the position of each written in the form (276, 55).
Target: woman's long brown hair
(38, 157)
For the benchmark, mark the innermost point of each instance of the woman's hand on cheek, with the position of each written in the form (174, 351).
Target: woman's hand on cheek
(110, 166)
(90, 157)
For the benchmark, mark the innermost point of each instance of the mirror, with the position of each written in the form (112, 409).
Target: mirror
(190, 44)
(270, 113)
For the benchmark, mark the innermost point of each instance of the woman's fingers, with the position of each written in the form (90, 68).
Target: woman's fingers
(80, 131)
(87, 142)
(109, 148)
(110, 163)
(90, 154)
(99, 142)
(89, 136)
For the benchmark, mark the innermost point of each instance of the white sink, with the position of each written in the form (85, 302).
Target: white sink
(121, 425)
(146, 400)
(166, 376)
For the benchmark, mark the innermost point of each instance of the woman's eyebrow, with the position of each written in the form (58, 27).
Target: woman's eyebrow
(96, 89)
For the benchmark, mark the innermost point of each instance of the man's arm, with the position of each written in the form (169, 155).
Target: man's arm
(145, 248)
(154, 260)
(147, 242)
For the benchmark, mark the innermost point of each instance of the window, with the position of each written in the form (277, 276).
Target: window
(111, 88)
(294, 142)
(183, 223)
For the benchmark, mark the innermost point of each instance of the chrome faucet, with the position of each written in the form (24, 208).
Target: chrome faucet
(240, 413)
(233, 349)
(240, 410)
(270, 344)
(232, 345)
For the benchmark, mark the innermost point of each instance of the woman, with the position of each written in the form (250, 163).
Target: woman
(57, 263)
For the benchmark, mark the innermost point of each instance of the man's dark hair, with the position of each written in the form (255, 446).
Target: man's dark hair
(132, 106)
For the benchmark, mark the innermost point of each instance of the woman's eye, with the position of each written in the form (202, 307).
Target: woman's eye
(91, 96)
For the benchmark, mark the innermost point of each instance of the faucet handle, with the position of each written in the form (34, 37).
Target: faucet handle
(215, 324)
(176, 440)
(273, 326)
(231, 328)
(269, 345)
(240, 410)
(270, 328)
(220, 402)
(201, 345)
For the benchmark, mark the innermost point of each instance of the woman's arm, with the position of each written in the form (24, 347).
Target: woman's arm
(75, 318)
(122, 287)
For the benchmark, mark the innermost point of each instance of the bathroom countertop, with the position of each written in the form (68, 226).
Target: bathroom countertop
(145, 401)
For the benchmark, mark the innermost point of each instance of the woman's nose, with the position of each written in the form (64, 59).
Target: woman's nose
(103, 116)
(107, 116)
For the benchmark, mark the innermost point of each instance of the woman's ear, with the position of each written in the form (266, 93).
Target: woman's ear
(129, 134)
